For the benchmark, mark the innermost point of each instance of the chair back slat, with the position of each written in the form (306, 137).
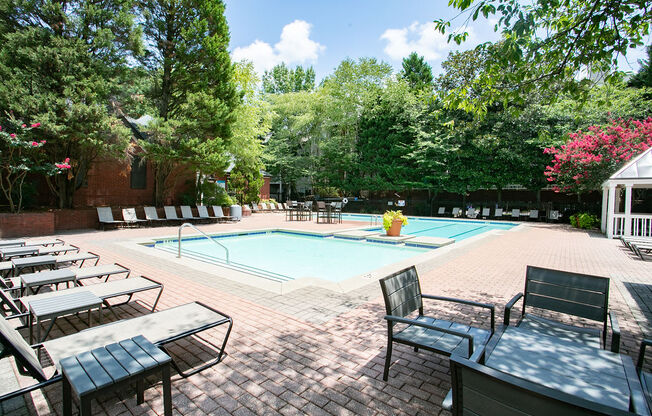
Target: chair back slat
(150, 213)
(105, 214)
(170, 213)
(575, 294)
(402, 292)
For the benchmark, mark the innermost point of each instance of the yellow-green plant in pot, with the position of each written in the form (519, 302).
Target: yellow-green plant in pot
(393, 221)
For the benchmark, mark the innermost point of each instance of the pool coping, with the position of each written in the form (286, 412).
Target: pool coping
(424, 261)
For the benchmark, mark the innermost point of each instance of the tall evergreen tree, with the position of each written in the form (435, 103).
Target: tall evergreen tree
(643, 78)
(59, 65)
(417, 72)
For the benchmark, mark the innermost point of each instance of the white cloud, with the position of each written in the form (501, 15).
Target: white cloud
(421, 38)
(294, 47)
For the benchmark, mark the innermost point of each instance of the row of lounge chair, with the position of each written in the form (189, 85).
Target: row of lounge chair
(105, 215)
(641, 246)
(498, 213)
(536, 365)
(108, 282)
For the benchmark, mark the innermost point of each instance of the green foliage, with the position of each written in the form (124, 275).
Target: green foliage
(389, 217)
(544, 46)
(643, 78)
(214, 194)
(584, 221)
(281, 79)
(246, 184)
(417, 72)
(326, 191)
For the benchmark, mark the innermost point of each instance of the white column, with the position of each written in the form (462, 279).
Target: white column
(628, 210)
(605, 195)
(610, 211)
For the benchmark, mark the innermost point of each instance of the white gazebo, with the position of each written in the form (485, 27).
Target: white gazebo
(635, 174)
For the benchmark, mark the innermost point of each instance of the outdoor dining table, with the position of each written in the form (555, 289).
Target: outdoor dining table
(590, 373)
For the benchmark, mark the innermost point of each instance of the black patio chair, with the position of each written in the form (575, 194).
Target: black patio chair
(568, 293)
(402, 293)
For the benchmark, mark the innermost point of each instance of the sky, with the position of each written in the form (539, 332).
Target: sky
(322, 33)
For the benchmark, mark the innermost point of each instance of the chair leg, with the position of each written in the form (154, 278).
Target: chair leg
(388, 359)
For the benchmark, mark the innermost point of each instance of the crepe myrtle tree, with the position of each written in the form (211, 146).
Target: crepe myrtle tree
(589, 157)
(23, 153)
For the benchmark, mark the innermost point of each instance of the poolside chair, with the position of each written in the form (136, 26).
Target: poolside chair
(161, 328)
(130, 217)
(553, 215)
(534, 214)
(441, 211)
(486, 212)
(203, 213)
(187, 215)
(483, 391)
(171, 215)
(219, 213)
(105, 216)
(402, 294)
(472, 213)
(574, 294)
(516, 213)
(254, 208)
(498, 213)
(151, 214)
(84, 273)
(457, 212)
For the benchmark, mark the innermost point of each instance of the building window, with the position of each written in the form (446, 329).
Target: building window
(138, 173)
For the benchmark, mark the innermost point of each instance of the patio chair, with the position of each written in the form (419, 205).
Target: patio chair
(516, 214)
(534, 215)
(402, 294)
(322, 212)
(472, 213)
(171, 215)
(441, 211)
(219, 213)
(456, 212)
(498, 213)
(203, 213)
(187, 215)
(574, 294)
(161, 328)
(130, 217)
(105, 216)
(553, 215)
(481, 390)
(254, 208)
(151, 214)
(644, 376)
(486, 212)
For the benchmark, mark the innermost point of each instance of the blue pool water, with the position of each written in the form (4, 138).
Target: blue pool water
(436, 227)
(286, 256)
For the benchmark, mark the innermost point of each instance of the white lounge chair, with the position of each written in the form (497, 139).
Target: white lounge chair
(534, 214)
(553, 215)
(498, 213)
(130, 217)
(516, 213)
(152, 216)
(441, 211)
(472, 213)
(171, 214)
(486, 212)
(186, 214)
(457, 212)
(105, 216)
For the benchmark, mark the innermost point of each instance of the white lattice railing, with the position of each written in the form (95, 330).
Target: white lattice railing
(641, 225)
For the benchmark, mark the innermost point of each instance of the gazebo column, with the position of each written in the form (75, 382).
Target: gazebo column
(605, 196)
(611, 203)
(628, 210)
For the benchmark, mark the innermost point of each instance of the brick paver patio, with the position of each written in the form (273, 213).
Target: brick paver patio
(317, 352)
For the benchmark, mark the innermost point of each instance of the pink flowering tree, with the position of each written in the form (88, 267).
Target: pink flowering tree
(20, 155)
(589, 158)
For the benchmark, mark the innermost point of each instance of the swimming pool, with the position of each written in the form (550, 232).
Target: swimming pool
(284, 256)
(437, 227)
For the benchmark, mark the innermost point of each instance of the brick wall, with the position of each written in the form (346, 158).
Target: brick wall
(26, 224)
(264, 191)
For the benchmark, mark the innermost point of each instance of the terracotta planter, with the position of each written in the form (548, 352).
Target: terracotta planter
(395, 229)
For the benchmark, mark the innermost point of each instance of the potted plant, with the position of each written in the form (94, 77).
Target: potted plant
(393, 221)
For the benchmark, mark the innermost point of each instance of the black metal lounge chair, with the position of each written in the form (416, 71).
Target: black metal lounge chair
(402, 294)
(574, 294)
(161, 328)
(480, 390)
(105, 216)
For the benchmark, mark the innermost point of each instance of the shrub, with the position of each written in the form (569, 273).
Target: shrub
(390, 216)
(584, 221)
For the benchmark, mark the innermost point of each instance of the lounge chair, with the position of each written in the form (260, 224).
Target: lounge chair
(130, 217)
(486, 212)
(553, 215)
(203, 213)
(171, 214)
(56, 250)
(441, 211)
(534, 214)
(402, 294)
(219, 213)
(66, 260)
(516, 214)
(264, 207)
(457, 212)
(472, 213)
(483, 391)
(254, 208)
(161, 328)
(151, 214)
(580, 295)
(105, 216)
(498, 213)
(187, 215)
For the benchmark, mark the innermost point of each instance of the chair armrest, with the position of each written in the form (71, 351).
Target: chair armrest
(467, 302)
(509, 306)
(641, 353)
(615, 332)
(433, 327)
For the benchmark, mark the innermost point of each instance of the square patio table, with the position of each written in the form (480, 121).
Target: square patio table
(10, 252)
(590, 373)
(54, 307)
(49, 277)
(33, 262)
(111, 368)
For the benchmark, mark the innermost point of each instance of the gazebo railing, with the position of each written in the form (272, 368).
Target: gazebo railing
(641, 225)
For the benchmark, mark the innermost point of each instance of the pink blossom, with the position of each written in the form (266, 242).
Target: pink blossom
(24, 125)
(43, 141)
(66, 160)
(36, 125)
(34, 144)
(12, 135)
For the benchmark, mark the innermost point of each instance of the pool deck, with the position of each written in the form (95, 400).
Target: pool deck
(314, 351)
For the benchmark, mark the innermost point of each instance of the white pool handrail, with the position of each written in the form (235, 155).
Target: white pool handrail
(187, 224)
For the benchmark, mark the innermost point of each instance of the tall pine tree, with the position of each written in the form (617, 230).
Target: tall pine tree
(417, 72)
